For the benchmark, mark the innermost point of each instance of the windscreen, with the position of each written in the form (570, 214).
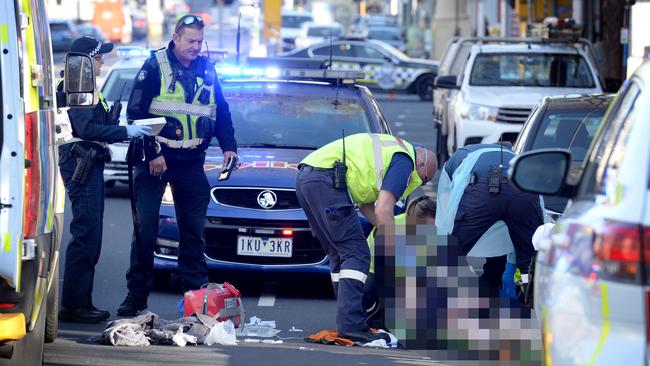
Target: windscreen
(294, 21)
(118, 84)
(531, 70)
(384, 34)
(323, 31)
(270, 118)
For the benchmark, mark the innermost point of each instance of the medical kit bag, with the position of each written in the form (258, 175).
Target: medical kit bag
(221, 301)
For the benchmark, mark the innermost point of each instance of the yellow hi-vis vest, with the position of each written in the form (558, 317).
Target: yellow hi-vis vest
(171, 103)
(400, 220)
(368, 156)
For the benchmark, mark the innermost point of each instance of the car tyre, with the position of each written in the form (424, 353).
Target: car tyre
(109, 183)
(441, 147)
(424, 87)
(52, 319)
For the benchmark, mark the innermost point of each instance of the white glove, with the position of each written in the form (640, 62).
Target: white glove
(137, 131)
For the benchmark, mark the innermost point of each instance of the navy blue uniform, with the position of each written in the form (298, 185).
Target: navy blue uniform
(185, 174)
(478, 210)
(87, 202)
(335, 223)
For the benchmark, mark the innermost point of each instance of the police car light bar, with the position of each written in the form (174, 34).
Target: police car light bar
(132, 51)
(344, 76)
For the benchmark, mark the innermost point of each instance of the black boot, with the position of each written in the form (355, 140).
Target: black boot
(131, 305)
(84, 314)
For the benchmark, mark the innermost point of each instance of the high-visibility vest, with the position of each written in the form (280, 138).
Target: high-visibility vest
(400, 220)
(171, 103)
(368, 156)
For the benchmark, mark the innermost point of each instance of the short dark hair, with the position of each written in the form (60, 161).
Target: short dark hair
(189, 21)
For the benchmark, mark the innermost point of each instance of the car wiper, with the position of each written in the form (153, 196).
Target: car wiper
(279, 146)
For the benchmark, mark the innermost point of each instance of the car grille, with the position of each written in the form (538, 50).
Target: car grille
(247, 198)
(117, 165)
(221, 244)
(513, 115)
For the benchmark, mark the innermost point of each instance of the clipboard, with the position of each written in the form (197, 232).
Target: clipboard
(156, 124)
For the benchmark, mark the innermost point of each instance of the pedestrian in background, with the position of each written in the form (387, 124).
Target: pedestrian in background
(376, 171)
(179, 84)
(92, 128)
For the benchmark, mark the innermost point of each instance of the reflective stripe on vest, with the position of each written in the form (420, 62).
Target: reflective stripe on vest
(180, 144)
(171, 102)
(368, 158)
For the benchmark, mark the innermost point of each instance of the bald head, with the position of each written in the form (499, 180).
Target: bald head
(426, 164)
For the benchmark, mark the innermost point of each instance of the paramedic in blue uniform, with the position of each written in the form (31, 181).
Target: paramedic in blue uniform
(479, 209)
(179, 84)
(92, 128)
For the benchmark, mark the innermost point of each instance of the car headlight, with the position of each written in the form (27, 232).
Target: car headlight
(477, 112)
(168, 197)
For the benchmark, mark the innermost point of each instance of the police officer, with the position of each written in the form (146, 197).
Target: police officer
(182, 86)
(483, 209)
(377, 170)
(92, 129)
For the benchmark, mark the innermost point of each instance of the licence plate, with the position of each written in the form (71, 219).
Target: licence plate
(264, 246)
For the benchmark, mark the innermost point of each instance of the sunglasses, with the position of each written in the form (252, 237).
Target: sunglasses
(189, 20)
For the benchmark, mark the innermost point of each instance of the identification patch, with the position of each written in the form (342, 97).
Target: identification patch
(142, 75)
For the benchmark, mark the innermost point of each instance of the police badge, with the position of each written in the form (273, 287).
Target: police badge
(142, 75)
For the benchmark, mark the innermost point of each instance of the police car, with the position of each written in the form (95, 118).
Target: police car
(385, 67)
(254, 221)
(117, 87)
(591, 274)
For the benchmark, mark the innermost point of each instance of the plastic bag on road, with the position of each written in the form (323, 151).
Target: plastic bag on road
(222, 333)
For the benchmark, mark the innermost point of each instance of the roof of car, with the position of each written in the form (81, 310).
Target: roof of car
(578, 100)
(524, 48)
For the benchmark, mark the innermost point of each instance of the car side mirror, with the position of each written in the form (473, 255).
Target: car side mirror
(541, 171)
(79, 80)
(446, 82)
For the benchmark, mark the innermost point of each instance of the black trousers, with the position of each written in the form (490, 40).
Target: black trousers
(191, 192)
(479, 209)
(82, 253)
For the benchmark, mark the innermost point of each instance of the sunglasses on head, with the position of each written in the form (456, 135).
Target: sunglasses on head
(188, 20)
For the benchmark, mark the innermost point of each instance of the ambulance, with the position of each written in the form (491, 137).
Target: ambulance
(31, 190)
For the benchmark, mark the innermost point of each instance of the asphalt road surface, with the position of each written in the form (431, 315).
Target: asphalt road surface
(299, 301)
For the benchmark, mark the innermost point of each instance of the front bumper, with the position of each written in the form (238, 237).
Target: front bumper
(221, 246)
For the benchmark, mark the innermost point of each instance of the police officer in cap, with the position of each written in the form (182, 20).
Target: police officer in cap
(182, 86)
(92, 129)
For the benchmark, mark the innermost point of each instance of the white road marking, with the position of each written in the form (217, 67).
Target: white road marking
(401, 133)
(267, 298)
(399, 124)
(401, 116)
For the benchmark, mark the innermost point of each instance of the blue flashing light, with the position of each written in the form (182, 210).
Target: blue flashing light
(132, 51)
(272, 72)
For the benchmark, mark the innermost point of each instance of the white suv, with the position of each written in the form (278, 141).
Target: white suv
(592, 294)
(501, 83)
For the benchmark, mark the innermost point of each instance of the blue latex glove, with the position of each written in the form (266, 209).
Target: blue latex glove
(137, 131)
(508, 288)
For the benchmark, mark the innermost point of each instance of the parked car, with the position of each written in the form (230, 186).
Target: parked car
(385, 67)
(292, 21)
(278, 121)
(312, 33)
(389, 34)
(117, 87)
(566, 122)
(88, 29)
(63, 33)
(500, 83)
(591, 273)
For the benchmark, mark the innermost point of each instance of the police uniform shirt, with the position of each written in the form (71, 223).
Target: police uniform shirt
(92, 124)
(147, 86)
(484, 161)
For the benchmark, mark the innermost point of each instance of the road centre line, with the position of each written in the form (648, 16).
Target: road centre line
(267, 298)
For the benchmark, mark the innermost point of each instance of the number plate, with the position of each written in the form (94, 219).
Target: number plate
(264, 246)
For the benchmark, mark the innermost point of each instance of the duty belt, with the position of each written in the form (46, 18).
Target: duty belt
(76, 139)
(180, 144)
(474, 179)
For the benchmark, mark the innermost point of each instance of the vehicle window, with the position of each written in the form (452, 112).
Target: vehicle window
(338, 50)
(294, 21)
(531, 69)
(367, 52)
(610, 149)
(384, 34)
(294, 120)
(458, 63)
(119, 83)
(59, 27)
(323, 32)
